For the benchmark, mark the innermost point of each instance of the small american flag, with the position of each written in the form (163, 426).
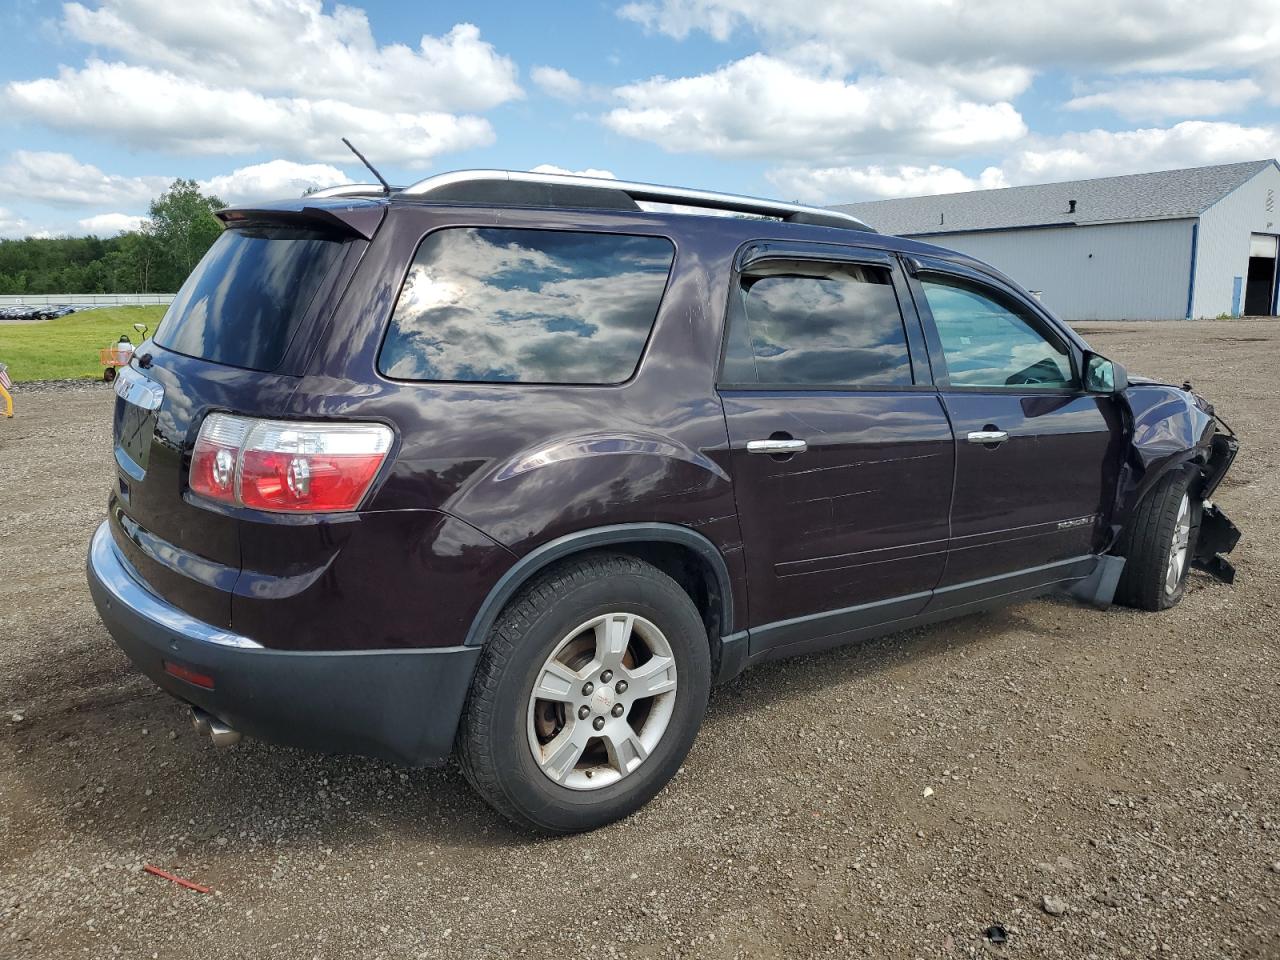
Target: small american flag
(4, 377)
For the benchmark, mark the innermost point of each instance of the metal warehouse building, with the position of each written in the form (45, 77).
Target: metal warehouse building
(1189, 243)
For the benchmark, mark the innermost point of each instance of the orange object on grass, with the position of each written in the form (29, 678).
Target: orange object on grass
(6, 399)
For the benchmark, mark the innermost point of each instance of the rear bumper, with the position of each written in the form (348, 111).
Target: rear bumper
(401, 705)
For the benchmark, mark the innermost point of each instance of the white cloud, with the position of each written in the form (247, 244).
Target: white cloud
(273, 180)
(764, 106)
(1102, 153)
(1039, 159)
(558, 83)
(60, 178)
(817, 104)
(12, 226)
(294, 47)
(588, 172)
(277, 76)
(110, 224)
(160, 110)
(1170, 97)
(1142, 35)
(983, 81)
(843, 184)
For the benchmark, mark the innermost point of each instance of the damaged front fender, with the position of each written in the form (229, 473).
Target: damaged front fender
(1169, 428)
(1172, 428)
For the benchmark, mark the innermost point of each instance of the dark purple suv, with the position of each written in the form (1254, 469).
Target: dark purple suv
(516, 466)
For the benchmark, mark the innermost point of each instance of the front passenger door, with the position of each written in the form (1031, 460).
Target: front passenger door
(1036, 456)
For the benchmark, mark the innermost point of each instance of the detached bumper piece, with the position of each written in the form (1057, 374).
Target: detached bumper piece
(400, 705)
(1218, 535)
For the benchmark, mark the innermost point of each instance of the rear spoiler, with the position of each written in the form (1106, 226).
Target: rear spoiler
(355, 218)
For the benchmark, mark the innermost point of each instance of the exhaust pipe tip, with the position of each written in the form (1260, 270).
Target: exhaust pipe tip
(200, 720)
(207, 724)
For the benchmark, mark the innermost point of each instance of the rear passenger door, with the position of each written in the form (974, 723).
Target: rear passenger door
(1036, 456)
(841, 452)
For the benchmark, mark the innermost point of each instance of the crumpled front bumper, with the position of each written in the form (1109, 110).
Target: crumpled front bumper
(1218, 535)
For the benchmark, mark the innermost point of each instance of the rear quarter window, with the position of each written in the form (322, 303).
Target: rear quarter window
(245, 300)
(526, 306)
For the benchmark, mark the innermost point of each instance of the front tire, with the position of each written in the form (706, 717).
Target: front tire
(587, 698)
(1159, 544)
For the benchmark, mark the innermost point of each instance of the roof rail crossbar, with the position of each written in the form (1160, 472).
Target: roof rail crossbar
(463, 185)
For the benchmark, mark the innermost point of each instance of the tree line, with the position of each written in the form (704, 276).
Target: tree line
(156, 258)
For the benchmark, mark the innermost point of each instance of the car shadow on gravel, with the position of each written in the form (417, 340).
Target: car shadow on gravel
(791, 678)
(121, 763)
(117, 760)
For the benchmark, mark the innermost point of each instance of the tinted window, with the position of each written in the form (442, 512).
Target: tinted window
(536, 306)
(988, 342)
(836, 325)
(243, 302)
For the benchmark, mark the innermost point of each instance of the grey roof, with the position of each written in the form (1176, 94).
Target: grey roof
(1166, 195)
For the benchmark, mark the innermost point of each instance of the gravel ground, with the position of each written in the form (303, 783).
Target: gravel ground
(1099, 784)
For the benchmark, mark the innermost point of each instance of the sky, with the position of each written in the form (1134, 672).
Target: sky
(104, 102)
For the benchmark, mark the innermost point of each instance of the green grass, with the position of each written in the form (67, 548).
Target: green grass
(67, 348)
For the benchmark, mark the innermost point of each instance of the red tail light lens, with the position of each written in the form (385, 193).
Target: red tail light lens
(286, 466)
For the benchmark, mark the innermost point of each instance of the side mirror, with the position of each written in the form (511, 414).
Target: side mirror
(1104, 376)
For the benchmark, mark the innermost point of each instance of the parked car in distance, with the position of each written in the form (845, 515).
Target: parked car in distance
(515, 467)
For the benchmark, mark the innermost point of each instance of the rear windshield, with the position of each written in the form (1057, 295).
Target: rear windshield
(529, 306)
(243, 303)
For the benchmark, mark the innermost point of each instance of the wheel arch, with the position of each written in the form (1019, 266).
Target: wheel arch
(688, 557)
(1191, 462)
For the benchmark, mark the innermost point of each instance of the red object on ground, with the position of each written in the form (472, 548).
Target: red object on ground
(178, 880)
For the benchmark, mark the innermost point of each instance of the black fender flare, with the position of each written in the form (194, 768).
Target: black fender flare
(582, 540)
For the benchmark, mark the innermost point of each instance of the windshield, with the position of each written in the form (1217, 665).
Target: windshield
(243, 303)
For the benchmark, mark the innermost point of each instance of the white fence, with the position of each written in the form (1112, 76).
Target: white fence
(83, 299)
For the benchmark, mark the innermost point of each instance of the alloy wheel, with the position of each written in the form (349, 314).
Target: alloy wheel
(602, 701)
(1178, 549)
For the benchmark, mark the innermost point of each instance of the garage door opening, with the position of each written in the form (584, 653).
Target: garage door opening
(1260, 286)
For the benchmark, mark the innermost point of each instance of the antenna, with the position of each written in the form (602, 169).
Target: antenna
(372, 169)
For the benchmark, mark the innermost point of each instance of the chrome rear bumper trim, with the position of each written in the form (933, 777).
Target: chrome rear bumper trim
(116, 576)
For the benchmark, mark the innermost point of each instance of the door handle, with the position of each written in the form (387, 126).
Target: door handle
(776, 447)
(988, 436)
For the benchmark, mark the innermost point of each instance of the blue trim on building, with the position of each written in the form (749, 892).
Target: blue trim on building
(1275, 284)
(1191, 281)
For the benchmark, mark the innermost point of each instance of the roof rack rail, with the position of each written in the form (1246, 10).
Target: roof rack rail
(548, 189)
(351, 190)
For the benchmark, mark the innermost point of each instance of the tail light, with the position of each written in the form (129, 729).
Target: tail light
(287, 466)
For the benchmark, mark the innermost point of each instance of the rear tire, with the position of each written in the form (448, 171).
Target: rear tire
(621, 654)
(1158, 545)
